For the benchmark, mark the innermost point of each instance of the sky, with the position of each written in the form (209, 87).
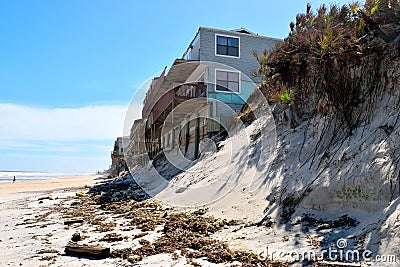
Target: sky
(69, 68)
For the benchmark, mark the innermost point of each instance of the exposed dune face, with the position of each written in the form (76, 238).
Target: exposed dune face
(321, 169)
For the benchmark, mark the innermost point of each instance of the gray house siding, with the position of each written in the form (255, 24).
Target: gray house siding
(196, 49)
(246, 63)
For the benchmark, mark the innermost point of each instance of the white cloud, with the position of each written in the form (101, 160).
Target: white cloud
(60, 139)
(18, 122)
(53, 146)
(53, 163)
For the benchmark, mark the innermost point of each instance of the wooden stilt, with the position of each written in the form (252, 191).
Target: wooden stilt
(197, 137)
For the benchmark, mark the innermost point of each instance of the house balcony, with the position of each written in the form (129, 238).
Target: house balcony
(115, 154)
(174, 97)
(165, 105)
(179, 72)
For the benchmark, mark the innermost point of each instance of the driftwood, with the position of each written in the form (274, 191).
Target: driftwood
(141, 234)
(72, 221)
(47, 197)
(98, 252)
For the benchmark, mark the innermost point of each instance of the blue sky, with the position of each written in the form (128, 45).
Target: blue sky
(69, 68)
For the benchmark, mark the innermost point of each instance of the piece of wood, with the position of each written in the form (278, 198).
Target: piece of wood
(141, 234)
(72, 221)
(98, 252)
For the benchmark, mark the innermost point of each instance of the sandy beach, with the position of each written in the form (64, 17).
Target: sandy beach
(34, 229)
(20, 204)
(20, 189)
(39, 219)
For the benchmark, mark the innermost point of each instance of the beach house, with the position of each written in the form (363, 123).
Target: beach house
(118, 162)
(216, 70)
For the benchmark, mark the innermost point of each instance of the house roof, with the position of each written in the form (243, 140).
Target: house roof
(135, 124)
(240, 31)
(244, 30)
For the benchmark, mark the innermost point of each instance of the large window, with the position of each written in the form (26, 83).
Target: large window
(227, 81)
(227, 46)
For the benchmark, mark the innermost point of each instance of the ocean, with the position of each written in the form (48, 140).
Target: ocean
(21, 176)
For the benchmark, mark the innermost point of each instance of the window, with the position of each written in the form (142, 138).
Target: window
(227, 81)
(227, 46)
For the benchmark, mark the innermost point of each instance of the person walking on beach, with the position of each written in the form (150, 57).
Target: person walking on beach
(14, 179)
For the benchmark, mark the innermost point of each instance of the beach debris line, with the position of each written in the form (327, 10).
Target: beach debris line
(189, 233)
(98, 252)
(119, 189)
(186, 234)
